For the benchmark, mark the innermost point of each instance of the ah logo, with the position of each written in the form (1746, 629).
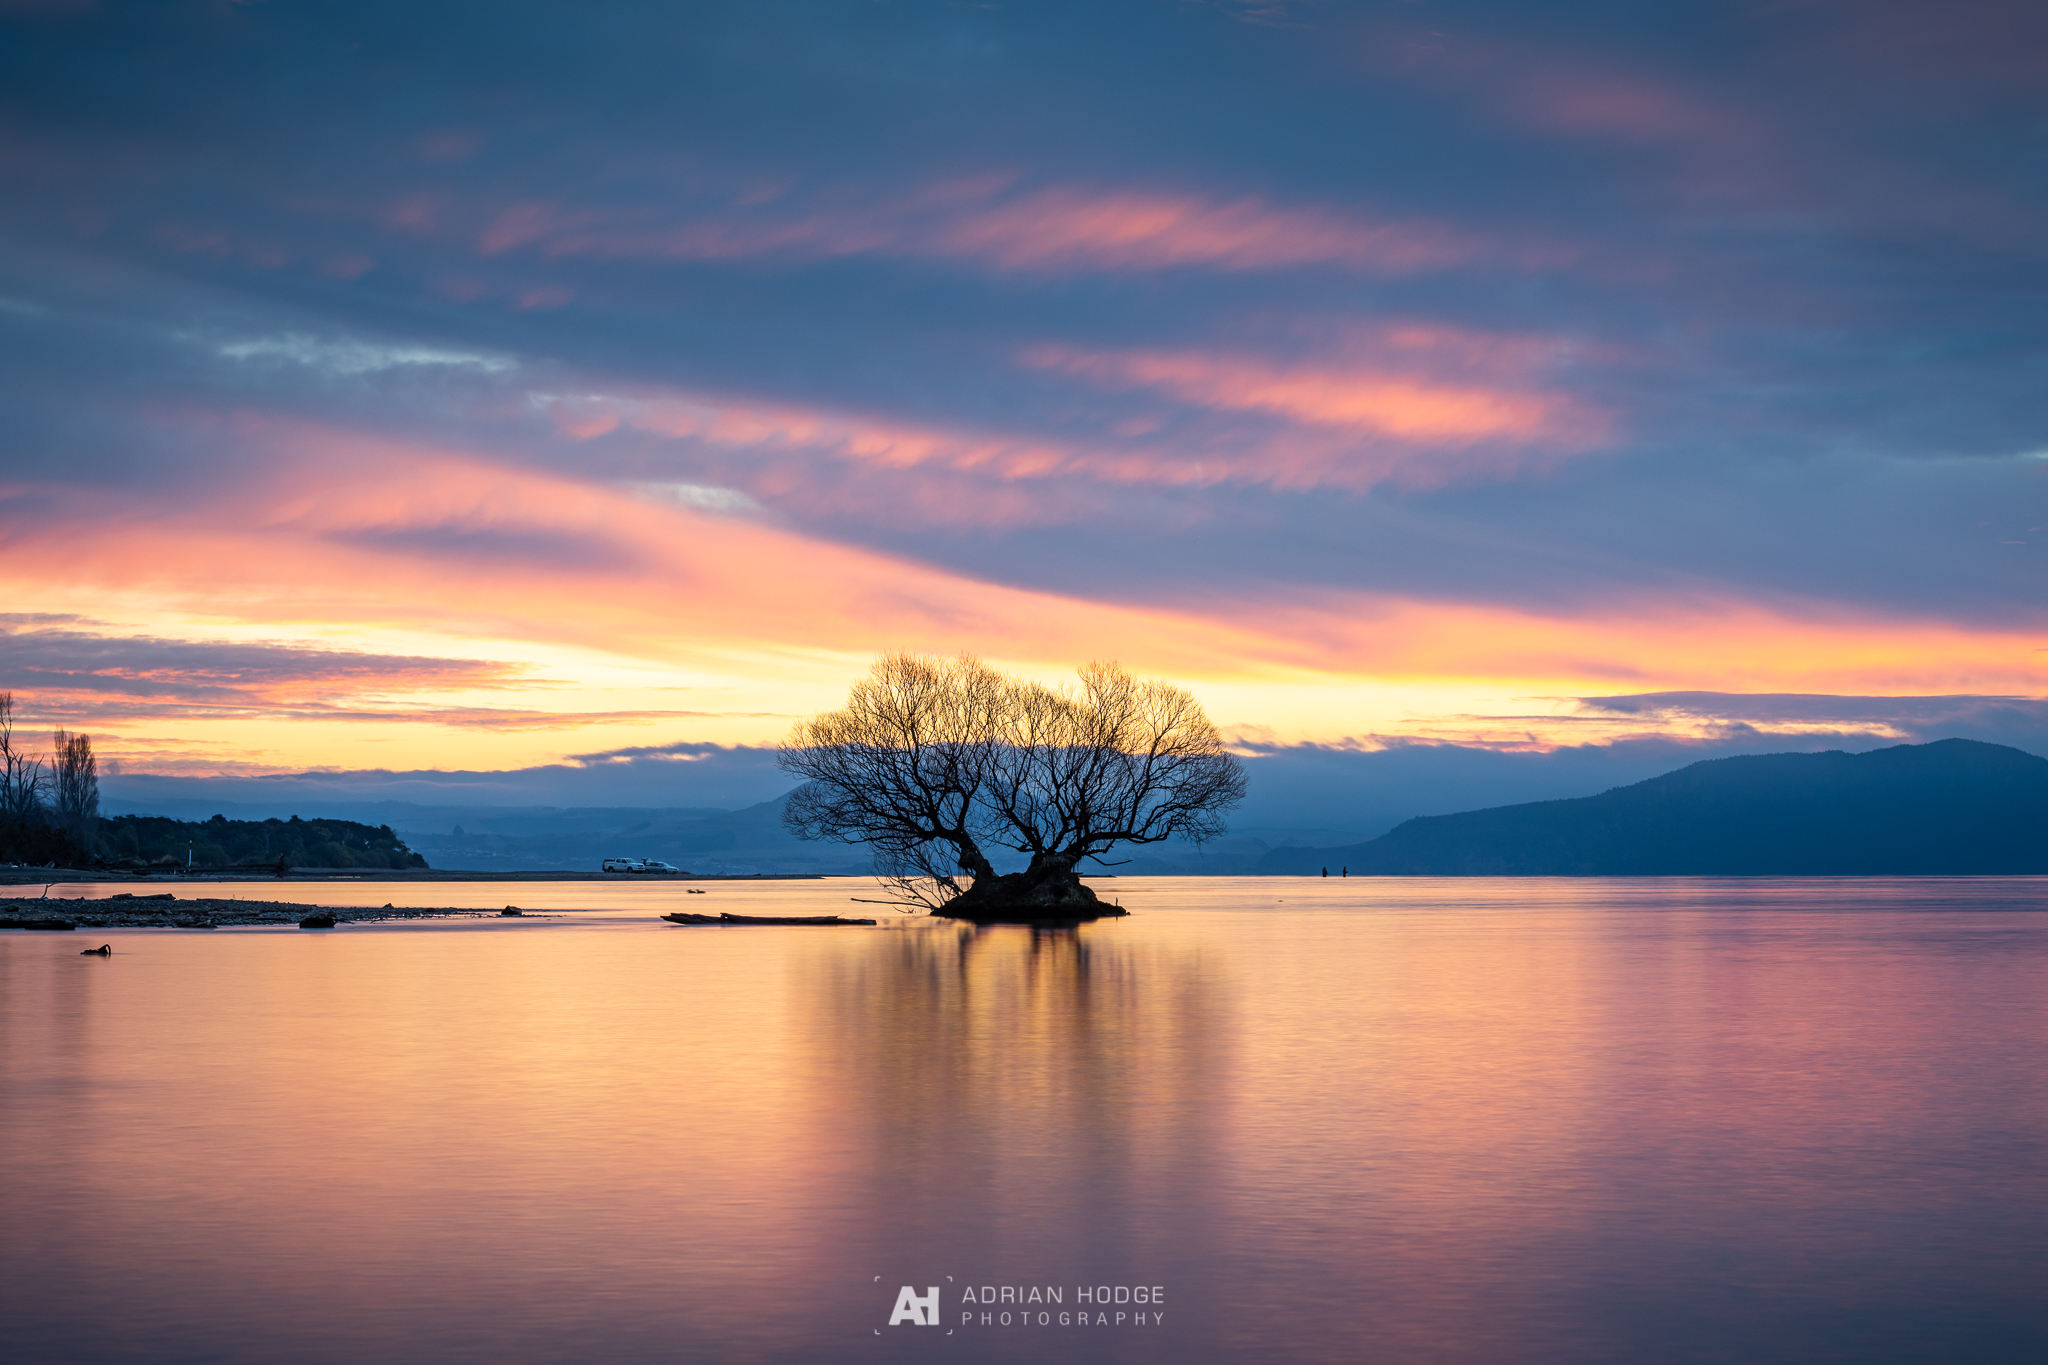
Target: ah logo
(920, 1311)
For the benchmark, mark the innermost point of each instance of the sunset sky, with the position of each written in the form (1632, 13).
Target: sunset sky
(478, 387)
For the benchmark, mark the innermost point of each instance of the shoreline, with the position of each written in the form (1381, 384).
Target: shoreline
(35, 914)
(38, 876)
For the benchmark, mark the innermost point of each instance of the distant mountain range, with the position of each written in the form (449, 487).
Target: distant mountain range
(1956, 806)
(1952, 807)
(488, 838)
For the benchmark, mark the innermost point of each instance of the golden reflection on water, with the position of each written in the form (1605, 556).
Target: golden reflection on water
(1543, 1120)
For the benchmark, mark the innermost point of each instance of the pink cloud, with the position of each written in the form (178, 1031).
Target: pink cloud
(419, 213)
(1557, 90)
(1578, 99)
(450, 146)
(459, 288)
(1069, 228)
(341, 527)
(334, 531)
(784, 445)
(348, 266)
(526, 223)
(1418, 405)
(1054, 230)
(1977, 48)
(346, 529)
(1368, 401)
(187, 240)
(770, 428)
(546, 296)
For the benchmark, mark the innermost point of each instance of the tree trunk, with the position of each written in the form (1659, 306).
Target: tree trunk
(972, 861)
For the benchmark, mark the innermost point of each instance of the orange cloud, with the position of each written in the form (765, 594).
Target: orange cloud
(1638, 642)
(347, 532)
(346, 528)
(439, 539)
(1370, 401)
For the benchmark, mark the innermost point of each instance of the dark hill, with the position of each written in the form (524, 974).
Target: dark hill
(1955, 807)
(221, 842)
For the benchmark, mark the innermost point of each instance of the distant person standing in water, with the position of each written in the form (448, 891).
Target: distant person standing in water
(1347, 871)
(1326, 872)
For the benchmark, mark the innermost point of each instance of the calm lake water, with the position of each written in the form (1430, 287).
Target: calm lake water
(1404, 1120)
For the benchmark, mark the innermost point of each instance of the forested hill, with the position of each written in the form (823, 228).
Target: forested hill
(1955, 807)
(221, 842)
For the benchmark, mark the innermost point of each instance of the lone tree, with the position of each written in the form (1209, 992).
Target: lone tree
(935, 763)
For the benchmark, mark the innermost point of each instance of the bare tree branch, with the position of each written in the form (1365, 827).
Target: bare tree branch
(24, 781)
(77, 787)
(933, 761)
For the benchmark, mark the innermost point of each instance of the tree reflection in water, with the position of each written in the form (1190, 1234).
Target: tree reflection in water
(1032, 1106)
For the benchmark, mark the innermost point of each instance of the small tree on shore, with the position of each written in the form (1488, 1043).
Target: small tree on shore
(77, 788)
(24, 782)
(933, 763)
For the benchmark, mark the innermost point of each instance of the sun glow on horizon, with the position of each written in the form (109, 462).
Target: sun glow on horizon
(385, 683)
